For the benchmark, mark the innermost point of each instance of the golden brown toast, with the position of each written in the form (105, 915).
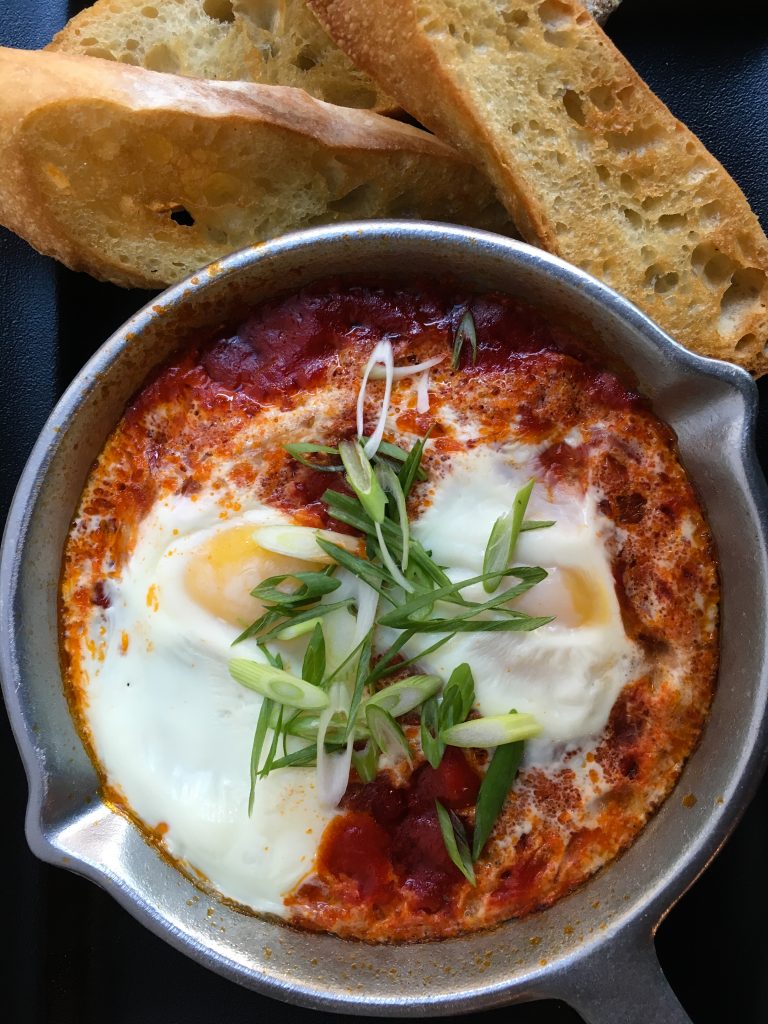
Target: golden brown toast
(590, 163)
(141, 178)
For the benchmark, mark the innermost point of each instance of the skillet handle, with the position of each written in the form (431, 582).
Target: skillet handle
(622, 983)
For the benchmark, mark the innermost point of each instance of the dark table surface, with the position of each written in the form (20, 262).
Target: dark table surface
(74, 956)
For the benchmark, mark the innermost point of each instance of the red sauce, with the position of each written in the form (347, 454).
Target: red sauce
(388, 840)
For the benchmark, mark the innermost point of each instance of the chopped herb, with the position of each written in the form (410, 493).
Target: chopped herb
(387, 734)
(491, 731)
(496, 784)
(298, 451)
(455, 839)
(503, 539)
(262, 724)
(313, 666)
(362, 480)
(279, 686)
(366, 761)
(464, 332)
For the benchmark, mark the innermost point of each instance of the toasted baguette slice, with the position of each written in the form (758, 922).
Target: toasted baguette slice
(590, 163)
(140, 178)
(276, 42)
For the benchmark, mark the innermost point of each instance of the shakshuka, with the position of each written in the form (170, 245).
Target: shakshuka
(390, 612)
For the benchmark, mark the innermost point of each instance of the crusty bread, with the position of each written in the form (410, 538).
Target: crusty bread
(276, 42)
(591, 165)
(140, 178)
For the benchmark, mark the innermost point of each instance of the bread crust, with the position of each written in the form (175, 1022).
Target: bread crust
(53, 102)
(589, 162)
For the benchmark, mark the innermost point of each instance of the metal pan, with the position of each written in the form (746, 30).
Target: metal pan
(593, 949)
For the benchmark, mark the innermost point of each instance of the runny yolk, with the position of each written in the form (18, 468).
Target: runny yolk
(575, 598)
(222, 572)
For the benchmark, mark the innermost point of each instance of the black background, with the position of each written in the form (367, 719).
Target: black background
(73, 955)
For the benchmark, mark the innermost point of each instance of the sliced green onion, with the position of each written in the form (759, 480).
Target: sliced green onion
(313, 666)
(536, 524)
(503, 539)
(361, 479)
(458, 696)
(492, 731)
(298, 451)
(366, 761)
(308, 614)
(432, 746)
(262, 724)
(405, 695)
(412, 465)
(363, 668)
(494, 788)
(272, 753)
(399, 372)
(383, 354)
(291, 632)
(390, 484)
(464, 332)
(386, 733)
(275, 660)
(278, 685)
(304, 758)
(455, 839)
(302, 541)
(311, 587)
(389, 562)
(400, 617)
(366, 571)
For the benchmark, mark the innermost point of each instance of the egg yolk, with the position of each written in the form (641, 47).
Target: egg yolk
(222, 573)
(571, 595)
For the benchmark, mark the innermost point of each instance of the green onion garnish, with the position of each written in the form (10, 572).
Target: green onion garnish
(494, 788)
(464, 332)
(432, 746)
(297, 629)
(278, 685)
(503, 539)
(455, 839)
(387, 734)
(362, 480)
(492, 731)
(313, 666)
(299, 450)
(405, 695)
(282, 590)
(391, 485)
(366, 761)
(265, 713)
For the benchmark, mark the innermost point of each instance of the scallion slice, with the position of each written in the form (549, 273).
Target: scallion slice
(302, 448)
(366, 761)
(391, 485)
(313, 667)
(464, 332)
(405, 695)
(362, 479)
(278, 685)
(265, 714)
(503, 539)
(492, 731)
(383, 354)
(386, 733)
(455, 839)
(497, 782)
(297, 629)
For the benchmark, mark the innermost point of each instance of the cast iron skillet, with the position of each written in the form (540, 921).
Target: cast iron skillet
(593, 949)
